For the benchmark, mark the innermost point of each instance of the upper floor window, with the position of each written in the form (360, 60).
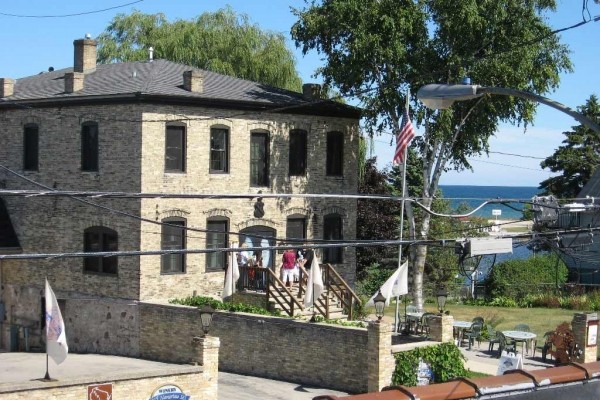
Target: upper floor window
(259, 159)
(100, 239)
(335, 153)
(296, 229)
(297, 154)
(89, 146)
(173, 238)
(175, 148)
(332, 230)
(216, 238)
(219, 150)
(30, 147)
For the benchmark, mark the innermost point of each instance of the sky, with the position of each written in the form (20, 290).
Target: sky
(32, 44)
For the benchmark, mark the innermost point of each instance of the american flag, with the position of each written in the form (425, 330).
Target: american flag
(403, 138)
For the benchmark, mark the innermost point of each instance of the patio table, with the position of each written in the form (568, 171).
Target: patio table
(459, 328)
(521, 336)
(412, 319)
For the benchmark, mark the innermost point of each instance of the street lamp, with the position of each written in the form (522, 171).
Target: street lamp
(206, 314)
(441, 295)
(441, 96)
(379, 301)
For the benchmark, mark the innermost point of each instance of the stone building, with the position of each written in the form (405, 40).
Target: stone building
(158, 127)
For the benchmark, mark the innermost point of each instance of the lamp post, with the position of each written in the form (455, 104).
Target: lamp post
(441, 295)
(379, 301)
(206, 314)
(441, 96)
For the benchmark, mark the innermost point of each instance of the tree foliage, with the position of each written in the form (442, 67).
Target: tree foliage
(222, 42)
(577, 158)
(515, 279)
(376, 49)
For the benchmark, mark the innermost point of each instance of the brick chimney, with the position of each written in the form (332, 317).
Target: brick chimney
(193, 81)
(311, 91)
(73, 81)
(7, 87)
(85, 55)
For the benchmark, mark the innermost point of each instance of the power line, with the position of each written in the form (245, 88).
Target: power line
(70, 15)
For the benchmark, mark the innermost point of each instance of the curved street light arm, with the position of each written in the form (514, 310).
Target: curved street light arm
(541, 99)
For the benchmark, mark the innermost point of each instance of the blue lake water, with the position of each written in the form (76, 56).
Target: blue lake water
(473, 196)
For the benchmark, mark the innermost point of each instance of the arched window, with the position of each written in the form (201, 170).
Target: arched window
(332, 230)
(30, 147)
(260, 236)
(216, 237)
(100, 239)
(173, 238)
(89, 146)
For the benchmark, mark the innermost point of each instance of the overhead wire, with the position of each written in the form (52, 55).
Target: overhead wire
(71, 15)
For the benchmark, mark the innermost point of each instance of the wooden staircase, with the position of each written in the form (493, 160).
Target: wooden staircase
(335, 302)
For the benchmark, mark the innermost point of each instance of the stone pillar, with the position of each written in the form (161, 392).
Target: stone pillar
(206, 353)
(580, 324)
(440, 328)
(381, 362)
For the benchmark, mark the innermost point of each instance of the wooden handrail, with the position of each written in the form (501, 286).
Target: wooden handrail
(343, 282)
(289, 294)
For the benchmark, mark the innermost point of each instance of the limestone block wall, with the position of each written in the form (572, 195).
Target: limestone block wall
(296, 351)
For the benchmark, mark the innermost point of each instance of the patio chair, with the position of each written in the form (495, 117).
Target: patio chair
(479, 320)
(544, 346)
(474, 333)
(493, 337)
(423, 325)
(523, 328)
(505, 344)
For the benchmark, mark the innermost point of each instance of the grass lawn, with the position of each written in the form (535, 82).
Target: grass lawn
(540, 320)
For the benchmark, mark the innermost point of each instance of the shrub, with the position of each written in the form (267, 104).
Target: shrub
(199, 301)
(446, 362)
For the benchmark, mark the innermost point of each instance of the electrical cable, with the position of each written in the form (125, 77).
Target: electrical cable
(70, 15)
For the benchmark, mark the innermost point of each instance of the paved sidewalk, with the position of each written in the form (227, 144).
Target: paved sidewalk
(480, 360)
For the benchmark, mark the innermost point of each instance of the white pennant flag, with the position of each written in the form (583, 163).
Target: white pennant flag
(56, 339)
(232, 275)
(396, 285)
(314, 287)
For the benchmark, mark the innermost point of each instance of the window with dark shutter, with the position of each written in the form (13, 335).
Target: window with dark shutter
(100, 239)
(173, 238)
(175, 149)
(332, 230)
(297, 156)
(219, 151)
(216, 238)
(296, 229)
(89, 146)
(259, 159)
(335, 153)
(30, 147)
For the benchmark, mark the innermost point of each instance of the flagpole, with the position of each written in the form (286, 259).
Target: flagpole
(47, 376)
(402, 218)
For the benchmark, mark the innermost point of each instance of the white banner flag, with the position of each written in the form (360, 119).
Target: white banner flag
(232, 275)
(56, 339)
(314, 287)
(396, 285)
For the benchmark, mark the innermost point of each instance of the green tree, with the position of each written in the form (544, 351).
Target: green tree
(376, 49)
(222, 42)
(577, 159)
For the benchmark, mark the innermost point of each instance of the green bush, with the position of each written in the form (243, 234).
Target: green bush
(199, 301)
(374, 277)
(515, 279)
(446, 362)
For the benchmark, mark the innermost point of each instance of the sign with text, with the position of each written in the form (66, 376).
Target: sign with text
(509, 361)
(101, 391)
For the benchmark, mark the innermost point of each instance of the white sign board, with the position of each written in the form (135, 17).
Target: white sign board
(497, 212)
(509, 361)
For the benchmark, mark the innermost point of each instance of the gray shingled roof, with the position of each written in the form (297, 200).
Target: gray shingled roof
(156, 78)
(592, 187)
